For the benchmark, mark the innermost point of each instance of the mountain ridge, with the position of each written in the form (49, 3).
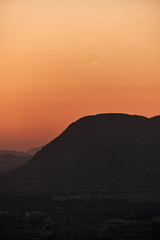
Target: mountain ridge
(103, 149)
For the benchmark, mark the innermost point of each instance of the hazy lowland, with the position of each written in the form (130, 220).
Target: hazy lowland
(98, 180)
(10, 159)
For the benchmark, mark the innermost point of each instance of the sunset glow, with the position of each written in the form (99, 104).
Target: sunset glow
(61, 60)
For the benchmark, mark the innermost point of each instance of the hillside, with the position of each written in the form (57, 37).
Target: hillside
(113, 150)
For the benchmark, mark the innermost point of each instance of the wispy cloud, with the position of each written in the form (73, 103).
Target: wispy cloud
(95, 63)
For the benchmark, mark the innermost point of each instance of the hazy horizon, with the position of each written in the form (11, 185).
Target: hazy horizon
(34, 147)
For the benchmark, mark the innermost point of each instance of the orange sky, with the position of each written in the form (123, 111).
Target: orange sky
(63, 59)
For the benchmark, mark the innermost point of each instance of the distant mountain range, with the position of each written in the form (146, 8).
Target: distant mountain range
(10, 159)
(33, 151)
(30, 152)
(12, 152)
(111, 150)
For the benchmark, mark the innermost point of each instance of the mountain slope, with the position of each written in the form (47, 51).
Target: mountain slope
(101, 150)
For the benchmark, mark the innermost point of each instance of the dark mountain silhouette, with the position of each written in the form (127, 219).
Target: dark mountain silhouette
(114, 150)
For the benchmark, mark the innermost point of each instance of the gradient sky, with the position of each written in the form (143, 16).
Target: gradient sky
(63, 59)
